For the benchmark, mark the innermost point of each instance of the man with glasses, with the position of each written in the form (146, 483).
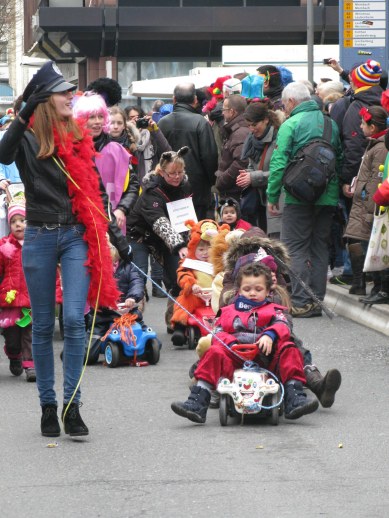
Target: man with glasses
(234, 133)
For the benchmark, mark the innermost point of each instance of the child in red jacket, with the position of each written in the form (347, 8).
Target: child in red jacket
(230, 214)
(14, 296)
(252, 318)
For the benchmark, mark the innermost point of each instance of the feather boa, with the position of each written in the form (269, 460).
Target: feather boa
(77, 158)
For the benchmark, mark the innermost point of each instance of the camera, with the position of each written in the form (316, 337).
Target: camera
(326, 61)
(142, 123)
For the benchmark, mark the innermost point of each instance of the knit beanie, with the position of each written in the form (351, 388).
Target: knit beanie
(367, 74)
(260, 256)
(230, 202)
(16, 208)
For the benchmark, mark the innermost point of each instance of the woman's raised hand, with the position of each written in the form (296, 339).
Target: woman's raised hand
(38, 96)
(244, 179)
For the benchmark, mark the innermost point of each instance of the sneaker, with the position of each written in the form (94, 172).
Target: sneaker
(195, 407)
(30, 374)
(337, 271)
(15, 366)
(73, 423)
(49, 421)
(307, 311)
(342, 280)
(297, 403)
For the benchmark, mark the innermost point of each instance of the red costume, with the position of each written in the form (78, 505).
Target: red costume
(187, 277)
(246, 326)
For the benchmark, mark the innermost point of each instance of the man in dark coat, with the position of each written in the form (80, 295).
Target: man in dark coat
(234, 132)
(185, 127)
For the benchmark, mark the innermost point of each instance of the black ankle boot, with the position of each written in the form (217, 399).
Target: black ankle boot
(178, 336)
(195, 407)
(73, 423)
(357, 258)
(49, 421)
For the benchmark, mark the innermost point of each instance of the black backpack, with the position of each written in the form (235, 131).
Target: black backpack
(307, 175)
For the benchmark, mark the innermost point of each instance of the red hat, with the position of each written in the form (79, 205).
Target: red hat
(16, 208)
(216, 88)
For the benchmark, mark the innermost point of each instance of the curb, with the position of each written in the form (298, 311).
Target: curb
(343, 304)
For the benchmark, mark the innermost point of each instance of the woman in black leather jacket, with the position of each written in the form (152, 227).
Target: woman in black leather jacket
(66, 223)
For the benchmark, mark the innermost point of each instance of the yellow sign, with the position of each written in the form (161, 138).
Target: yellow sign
(347, 34)
(348, 25)
(347, 43)
(348, 6)
(348, 15)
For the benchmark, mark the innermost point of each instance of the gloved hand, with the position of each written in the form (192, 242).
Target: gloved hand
(126, 254)
(37, 97)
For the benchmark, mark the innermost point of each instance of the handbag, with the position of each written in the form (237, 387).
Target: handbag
(377, 256)
(250, 199)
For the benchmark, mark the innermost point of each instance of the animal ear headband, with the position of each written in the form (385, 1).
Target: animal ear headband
(170, 155)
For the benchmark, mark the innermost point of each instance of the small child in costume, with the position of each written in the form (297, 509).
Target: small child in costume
(230, 213)
(194, 274)
(132, 289)
(14, 296)
(252, 318)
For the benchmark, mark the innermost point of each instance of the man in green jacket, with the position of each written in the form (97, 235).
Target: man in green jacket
(306, 227)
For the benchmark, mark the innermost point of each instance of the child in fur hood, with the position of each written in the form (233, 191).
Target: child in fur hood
(14, 296)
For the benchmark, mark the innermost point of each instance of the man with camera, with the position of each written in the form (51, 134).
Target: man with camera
(186, 127)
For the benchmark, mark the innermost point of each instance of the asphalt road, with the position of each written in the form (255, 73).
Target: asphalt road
(141, 460)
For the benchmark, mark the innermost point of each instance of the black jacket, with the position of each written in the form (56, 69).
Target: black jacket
(129, 282)
(354, 141)
(149, 221)
(185, 127)
(47, 197)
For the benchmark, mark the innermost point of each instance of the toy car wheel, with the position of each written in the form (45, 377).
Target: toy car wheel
(223, 410)
(152, 351)
(93, 358)
(275, 412)
(193, 337)
(112, 354)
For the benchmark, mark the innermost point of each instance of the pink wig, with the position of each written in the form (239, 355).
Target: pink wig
(91, 104)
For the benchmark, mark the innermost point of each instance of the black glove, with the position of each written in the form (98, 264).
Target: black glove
(37, 97)
(126, 254)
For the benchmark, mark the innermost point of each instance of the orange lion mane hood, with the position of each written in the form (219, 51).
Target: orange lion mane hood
(204, 230)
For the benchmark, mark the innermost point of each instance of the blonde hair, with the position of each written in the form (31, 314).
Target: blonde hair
(169, 157)
(46, 118)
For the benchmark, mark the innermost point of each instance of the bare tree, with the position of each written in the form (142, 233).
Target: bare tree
(7, 20)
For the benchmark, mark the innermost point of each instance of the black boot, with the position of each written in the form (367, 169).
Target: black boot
(195, 407)
(297, 403)
(156, 292)
(377, 287)
(15, 366)
(49, 421)
(323, 388)
(73, 423)
(357, 258)
(178, 336)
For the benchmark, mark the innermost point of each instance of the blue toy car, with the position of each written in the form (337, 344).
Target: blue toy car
(137, 343)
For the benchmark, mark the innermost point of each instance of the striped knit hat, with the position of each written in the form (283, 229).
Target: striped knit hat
(367, 74)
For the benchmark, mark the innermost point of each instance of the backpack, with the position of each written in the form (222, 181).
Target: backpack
(308, 173)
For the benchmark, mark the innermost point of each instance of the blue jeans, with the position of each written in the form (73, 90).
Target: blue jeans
(43, 249)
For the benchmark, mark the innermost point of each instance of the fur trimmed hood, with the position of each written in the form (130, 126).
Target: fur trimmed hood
(248, 245)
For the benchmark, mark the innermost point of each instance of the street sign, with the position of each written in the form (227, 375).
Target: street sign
(362, 32)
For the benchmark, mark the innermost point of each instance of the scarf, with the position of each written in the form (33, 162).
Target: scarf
(101, 141)
(244, 304)
(253, 147)
(87, 206)
(122, 139)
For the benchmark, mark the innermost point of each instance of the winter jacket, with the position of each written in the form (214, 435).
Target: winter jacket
(11, 272)
(362, 210)
(149, 221)
(247, 326)
(306, 122)
(130, 283)
(354, 141)
(46, 190)
(230, 163)
(185, 127)
(259, 179)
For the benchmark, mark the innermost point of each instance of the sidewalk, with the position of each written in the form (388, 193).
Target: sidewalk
(343, 304)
